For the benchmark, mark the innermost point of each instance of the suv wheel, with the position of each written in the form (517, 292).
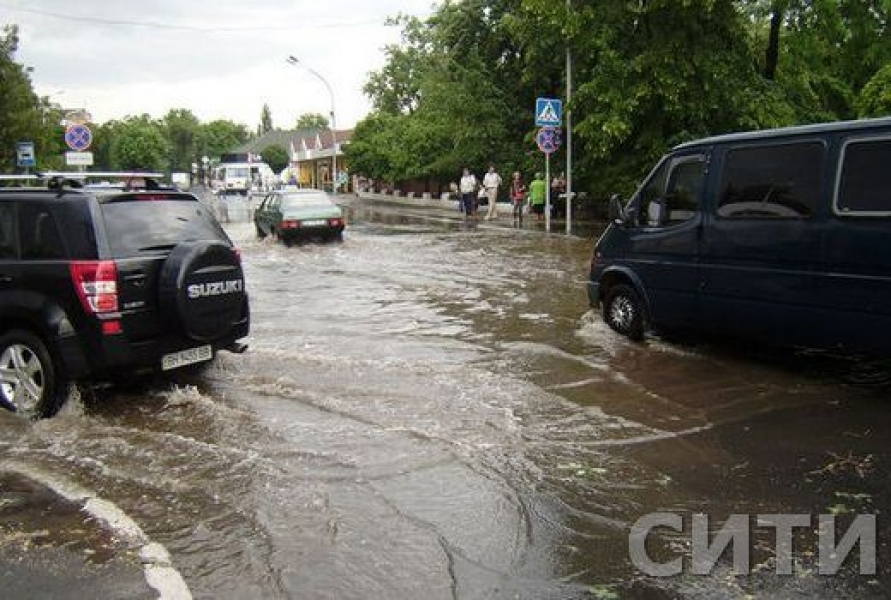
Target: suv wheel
(28, 379)
(623, 310)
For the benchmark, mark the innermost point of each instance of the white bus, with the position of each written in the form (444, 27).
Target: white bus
(243, 178)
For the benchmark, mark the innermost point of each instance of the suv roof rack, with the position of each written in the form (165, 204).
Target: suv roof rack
(61, 180)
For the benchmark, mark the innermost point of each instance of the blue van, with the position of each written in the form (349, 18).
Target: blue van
(781, 236)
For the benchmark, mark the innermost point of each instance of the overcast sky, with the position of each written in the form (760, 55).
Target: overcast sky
(221, 59)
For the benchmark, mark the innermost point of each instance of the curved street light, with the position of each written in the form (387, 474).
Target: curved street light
(293, 60)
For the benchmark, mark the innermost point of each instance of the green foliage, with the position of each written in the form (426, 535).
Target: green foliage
(312, 121)
(219, 137)
(461, 86)
(138, 144)
(875, 100)
(181, 127)
(23, 116)
(265, 120)
(276, 157)
(374, 150)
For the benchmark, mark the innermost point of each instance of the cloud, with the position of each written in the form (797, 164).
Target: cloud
(221, 59)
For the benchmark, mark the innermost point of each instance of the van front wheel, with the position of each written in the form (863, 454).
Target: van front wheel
(623, 310)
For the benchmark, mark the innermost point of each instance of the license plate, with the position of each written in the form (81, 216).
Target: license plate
(314, 223)
(186, 357)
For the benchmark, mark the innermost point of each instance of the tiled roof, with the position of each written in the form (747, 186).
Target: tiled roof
(314, 139)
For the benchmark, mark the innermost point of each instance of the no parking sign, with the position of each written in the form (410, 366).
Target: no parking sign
(78, 137)
(548, 139)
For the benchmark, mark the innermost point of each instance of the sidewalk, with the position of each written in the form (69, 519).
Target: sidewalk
(580, 227)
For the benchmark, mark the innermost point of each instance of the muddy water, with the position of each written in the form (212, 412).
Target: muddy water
(432, 410)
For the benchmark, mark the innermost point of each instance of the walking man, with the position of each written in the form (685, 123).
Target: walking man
(491, 182)
(537, 191)
(467, 187)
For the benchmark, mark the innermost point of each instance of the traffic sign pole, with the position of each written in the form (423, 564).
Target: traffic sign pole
(548, 140)
(548, 192)
(548, 115)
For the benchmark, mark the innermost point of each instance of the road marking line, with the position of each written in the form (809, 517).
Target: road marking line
(160, 574)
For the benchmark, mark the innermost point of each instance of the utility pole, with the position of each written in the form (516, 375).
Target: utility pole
(293, 60)
(568, 128)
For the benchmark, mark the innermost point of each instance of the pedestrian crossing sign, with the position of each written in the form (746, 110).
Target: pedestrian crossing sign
(548, 112)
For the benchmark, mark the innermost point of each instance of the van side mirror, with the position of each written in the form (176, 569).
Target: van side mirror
(656, 213)
(616, 210)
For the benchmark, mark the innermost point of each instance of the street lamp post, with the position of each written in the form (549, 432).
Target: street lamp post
(293, 60)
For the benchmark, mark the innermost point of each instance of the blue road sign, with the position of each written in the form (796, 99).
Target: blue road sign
(548, 112)
(24, 152)
(78, 137)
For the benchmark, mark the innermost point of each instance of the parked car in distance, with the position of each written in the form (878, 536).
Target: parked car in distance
(778, 236)
(105, 285)
(294, 214)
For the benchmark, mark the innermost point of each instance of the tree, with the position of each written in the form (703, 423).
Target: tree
(265, 120)
(180, 127)
(139, 144)
(24, 116)
(312, 121)
(875, 100)
(276, 157)
(821, 53)
(461, 85)
(219, 137)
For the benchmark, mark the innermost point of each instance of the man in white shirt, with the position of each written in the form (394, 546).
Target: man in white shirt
(467, 187)
(491, 182)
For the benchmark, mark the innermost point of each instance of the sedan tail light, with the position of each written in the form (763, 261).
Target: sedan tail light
(335, 222)
(290, 224)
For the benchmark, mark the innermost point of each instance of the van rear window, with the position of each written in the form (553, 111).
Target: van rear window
(783, 181)
(864, 187)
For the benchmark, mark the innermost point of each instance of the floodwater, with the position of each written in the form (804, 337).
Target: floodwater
(431, 410)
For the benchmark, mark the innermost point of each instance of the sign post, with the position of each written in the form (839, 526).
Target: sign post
(78, 137)
(548, 140)
(548, 116)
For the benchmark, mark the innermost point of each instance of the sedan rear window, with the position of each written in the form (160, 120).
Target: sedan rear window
(299, 200)
(139, 227)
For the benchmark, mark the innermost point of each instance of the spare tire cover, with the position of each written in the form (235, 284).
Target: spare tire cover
(202, 289)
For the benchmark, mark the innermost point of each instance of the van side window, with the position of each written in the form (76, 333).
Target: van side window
(782, 181)
(864, 186)
(683, 189)
(671, 195)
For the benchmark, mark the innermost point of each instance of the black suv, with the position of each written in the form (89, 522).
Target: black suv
(99, 286)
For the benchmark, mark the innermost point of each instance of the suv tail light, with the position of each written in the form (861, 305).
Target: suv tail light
(96, 282)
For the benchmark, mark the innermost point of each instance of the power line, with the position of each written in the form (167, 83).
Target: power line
(178, 27)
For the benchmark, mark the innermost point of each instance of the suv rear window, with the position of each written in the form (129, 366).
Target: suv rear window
(139, 226)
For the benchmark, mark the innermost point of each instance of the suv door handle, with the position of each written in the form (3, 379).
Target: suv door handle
(136, 279)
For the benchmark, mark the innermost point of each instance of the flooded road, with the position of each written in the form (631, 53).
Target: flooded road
(431, 410)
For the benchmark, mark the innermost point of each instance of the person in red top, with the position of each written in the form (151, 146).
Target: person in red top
(517, 196)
